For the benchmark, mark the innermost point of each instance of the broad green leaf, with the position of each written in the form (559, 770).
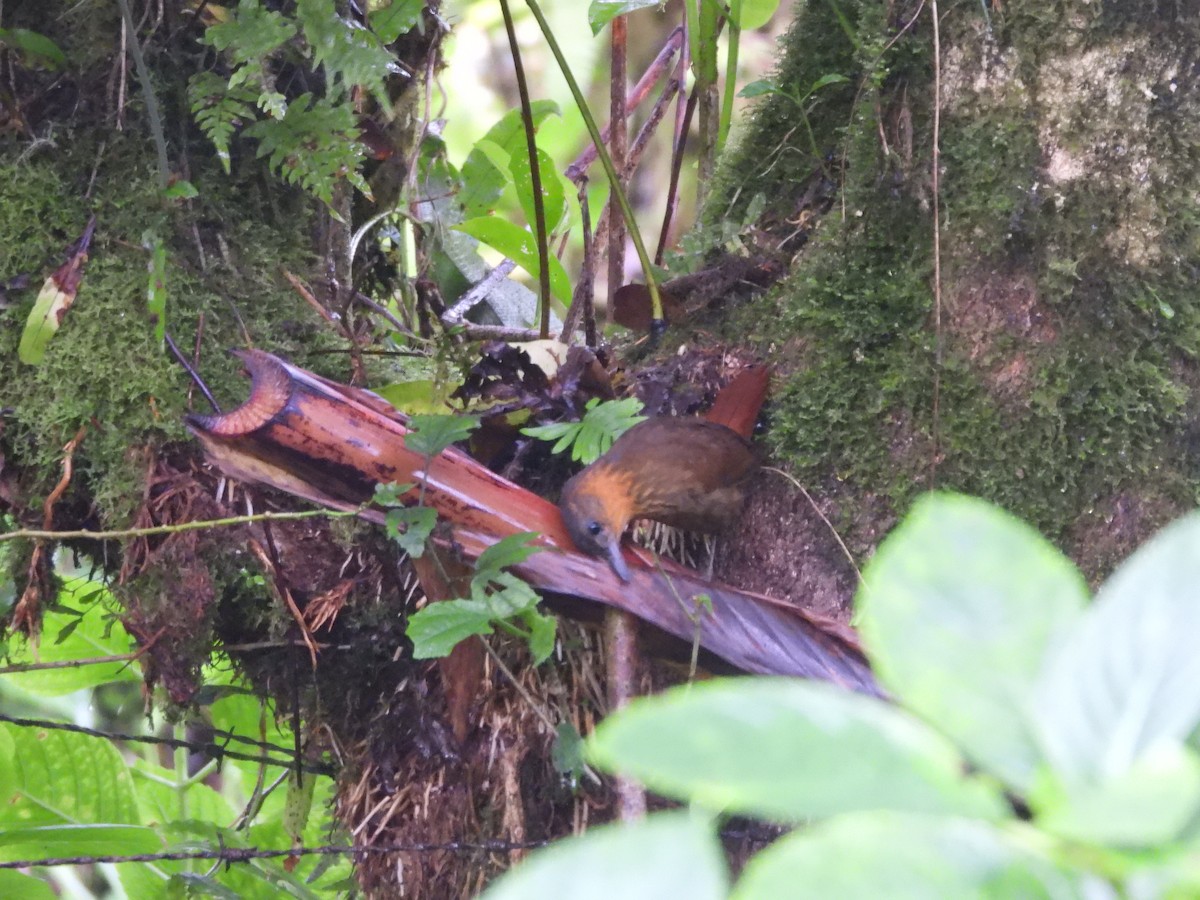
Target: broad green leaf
(898, 856)
(755, 13)
(957, 610)
(508, 551)
(509, 595)
(520, 246)
(35, 46)
(601, 12)
(1127, 678)
(430, 435)
(483, 176)
(665, 855)
(27, 887)
(787, 750)
(1146, 806)
(417, 397)
(410, 527)
(553, 197)
(397, 18)
(159, 802)
(299, 804)
(96, 634)
(46, 841)
(436, 629)
(64, 778)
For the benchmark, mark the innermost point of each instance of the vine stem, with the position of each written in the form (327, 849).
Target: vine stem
(605, 160)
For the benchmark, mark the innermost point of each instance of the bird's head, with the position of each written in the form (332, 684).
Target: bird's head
(596, 508)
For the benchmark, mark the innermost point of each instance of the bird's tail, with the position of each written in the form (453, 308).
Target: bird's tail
(739, 402)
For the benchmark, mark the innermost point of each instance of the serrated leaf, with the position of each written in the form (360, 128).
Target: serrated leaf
(521, 247)
(601, 12)
(903, 857)
(508, 551)
(509, 596)
(43, 841)
(957, 610)
(1126, 680)
(430, 435)
(92, 635)
(787, 750)
(665, 855)
(439, 627)
(542, 632)
(392, 494)
(410, 527)
(63, 778)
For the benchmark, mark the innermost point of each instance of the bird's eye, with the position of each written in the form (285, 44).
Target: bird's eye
(594, 527)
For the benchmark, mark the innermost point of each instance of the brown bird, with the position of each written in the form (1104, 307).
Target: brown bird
(686, 472)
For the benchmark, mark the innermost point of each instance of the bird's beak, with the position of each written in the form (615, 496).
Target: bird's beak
(617, 561)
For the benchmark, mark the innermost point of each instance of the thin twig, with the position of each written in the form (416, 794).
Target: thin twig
(807, 496)
(152, 113)
(118, 534)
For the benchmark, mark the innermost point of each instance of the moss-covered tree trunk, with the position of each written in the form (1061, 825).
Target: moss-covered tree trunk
(1052, 368)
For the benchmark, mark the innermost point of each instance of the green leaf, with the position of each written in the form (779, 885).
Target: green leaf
(44, 841)
(601, 12)
(397, 18)
(299, 804)
(181, 190)
(542, 631)
(787, 750)
(863, 856)
(759, 88)
(36, 47)
(520, 246)
(554, 201)
(509, 595)
(1146, 806)
(826, 80)
(1127, 678)
(591, 437)
(756, 13)
(508, 551)
(430, 435)
(64, 778)
(96, 633)
(665, 855)
(410, 527)
(957, 609)
(27, 887)
(436, 629)
(392, 494)
(483, 175)
(567, 751)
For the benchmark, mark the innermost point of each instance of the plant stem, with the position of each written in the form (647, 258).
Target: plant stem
(605, 160)
(535, 174)
(731, 64)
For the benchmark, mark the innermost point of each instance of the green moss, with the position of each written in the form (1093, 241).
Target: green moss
(1069, 321)
(103, 371)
